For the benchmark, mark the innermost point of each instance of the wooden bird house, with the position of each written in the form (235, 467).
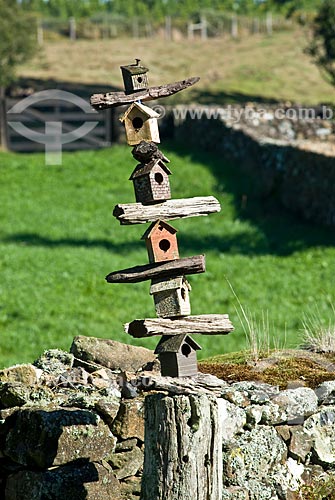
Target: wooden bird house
(151, 182)
(141, 124)
(161, 241)
(135, 77)
(171, 297)
(177, 355)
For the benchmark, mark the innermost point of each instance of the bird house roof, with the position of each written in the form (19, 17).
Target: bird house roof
(172, 343)
(134, 69)
(145, 110)
(168, 284)
(141, 169)
(154, 227)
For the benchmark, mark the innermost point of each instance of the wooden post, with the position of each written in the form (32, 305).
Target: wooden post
(234, 26)
(168, 28)
(269, 23)
(3, 121)
(73, 28)
(203, 28)
(40, 33)
(183, 448)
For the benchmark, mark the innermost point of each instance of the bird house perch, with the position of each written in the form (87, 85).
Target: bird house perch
(141, 124)
(161, 241)
(135, 77)
(171, 297)
(151, 182)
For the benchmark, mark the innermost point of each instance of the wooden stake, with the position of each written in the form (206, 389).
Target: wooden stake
(207, 324)
(137, 213)
(164, 269)
(112, 99)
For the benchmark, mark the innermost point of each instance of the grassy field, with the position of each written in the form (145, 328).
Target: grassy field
(58, 240)
(252, 68)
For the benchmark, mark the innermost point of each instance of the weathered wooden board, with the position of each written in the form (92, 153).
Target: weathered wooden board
(206, 324)
(183, 448)
(164, 269)
(137, 213)
(113, 99)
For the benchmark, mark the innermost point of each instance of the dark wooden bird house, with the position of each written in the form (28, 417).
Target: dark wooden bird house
(141, 124)
(151, 182)
(177, 355)
(161, 241)
(135, 77)
(171, 297)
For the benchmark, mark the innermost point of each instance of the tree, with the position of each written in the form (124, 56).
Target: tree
(322, 47)
(17, 43)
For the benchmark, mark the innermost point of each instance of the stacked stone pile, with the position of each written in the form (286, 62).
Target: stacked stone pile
(72, 426)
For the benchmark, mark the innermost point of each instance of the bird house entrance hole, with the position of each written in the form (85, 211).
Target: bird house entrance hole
(164, 245)
(186, 350)
(159, 178)
(137, 122)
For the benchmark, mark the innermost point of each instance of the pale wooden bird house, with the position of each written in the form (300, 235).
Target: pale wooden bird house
(177, 355)
(161, 241)
(135, 77)
(151, 182)
(141, 124)
(171, 297)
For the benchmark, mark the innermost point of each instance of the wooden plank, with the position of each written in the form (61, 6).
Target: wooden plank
(112, 99)
(137, 213)
(207, 324)
(164, 269)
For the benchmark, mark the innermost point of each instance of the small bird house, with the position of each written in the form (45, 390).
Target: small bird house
(161, 241)
(141, 124)
(135, 77)
(171, 297)
(151, 182)
(177, 355)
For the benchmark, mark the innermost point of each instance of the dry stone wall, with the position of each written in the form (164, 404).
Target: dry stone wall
(293, 160)
(73, 428)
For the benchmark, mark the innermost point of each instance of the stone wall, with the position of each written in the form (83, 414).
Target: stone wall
(72, 426)
(299, 172)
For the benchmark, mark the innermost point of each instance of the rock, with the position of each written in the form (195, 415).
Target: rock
(234, 419)
(108, 409)
(311, 473)
(245, 393)
(126, 463)
(254, 414)
(89, 481)
(321, 428)
(129, 422)
(55, 361)
(250, 459)
(112, 354)
(50, 437)
(284, 432)
(13, 394)
(326, 393)
(287, 478)
(24, 374)
(300, 444)
(294, 405)
(235, 493)
(126, 445)
(131, 488)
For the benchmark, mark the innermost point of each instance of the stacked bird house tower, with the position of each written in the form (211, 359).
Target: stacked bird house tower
(166, 269)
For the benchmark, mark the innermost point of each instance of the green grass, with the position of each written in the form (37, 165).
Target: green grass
(58, 240)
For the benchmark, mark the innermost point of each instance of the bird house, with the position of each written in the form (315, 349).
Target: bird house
(161, 241)
(171, 297)
(135, 77)
(177, 355)
(151, 182)
(141, 124)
